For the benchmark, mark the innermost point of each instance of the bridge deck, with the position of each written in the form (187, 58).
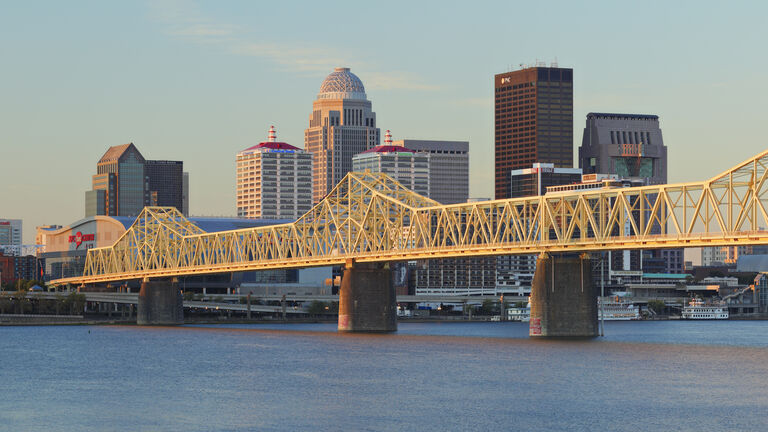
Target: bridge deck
(370, 217)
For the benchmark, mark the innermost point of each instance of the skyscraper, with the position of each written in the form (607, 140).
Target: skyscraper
(342, 124)
(125, 183)
(274, 180)
(448, 168)
(118, 188)
(10, 236)
(630, 145)
(534, 121)
(409, 168)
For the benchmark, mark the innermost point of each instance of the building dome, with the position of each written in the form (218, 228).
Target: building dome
(342, 84)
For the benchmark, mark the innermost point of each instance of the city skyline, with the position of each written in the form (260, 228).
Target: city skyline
(181, 79)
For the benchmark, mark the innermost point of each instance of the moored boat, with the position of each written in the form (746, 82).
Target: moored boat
(698, 310)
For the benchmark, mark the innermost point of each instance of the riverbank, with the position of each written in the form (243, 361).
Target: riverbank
(55, 320)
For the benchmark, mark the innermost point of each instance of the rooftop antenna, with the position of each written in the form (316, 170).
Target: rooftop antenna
(272, 137)
(388, 138)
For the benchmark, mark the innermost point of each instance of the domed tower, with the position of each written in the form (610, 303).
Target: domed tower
(342, 124)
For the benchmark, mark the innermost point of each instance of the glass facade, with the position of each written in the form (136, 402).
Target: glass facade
(131, 186)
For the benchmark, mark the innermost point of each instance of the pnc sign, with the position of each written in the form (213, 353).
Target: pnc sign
(79, 238)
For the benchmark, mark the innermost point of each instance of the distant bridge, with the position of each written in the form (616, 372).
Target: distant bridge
(370, 217)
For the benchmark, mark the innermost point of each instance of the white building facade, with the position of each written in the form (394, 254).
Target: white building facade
(409, 168)
(274, 180)
(10, 235)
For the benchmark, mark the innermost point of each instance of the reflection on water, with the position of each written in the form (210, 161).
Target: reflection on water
(428, 376)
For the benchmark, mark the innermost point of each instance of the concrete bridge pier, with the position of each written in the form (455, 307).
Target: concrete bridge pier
(367, 301)
(160, 303)
(563, 297)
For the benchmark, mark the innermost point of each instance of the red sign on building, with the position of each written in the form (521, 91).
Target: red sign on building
(79, 238)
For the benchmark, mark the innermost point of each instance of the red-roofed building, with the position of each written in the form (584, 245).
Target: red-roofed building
(408, 167)
(274, 180)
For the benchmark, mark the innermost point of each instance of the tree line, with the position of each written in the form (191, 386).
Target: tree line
(15, 298)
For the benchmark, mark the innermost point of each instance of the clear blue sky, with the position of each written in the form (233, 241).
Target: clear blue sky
(199, 81)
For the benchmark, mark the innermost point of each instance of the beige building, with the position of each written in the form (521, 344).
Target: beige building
(342, 124)
(409, 168)
(723, 255)
(274, 180)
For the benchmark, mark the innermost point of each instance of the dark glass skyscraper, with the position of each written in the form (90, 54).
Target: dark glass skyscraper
(125, 183)
(630, 145)
(534, 121)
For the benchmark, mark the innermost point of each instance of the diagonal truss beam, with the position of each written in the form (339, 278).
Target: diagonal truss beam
(371, 217)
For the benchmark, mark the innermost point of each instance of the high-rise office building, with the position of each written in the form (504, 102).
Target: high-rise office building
(409, 168)
(125, 183)
(10, 236)
(536, 179)
(448, 168)
(514, 273)
(10, 232)
(629, 145)
(534, 121)
(185, 194)
(342, 124)
(165, 182)
(274, 180)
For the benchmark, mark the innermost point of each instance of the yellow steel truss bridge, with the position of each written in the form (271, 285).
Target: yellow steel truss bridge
(371, 217)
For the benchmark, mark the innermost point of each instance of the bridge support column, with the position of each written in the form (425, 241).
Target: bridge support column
(160, 303)
(563, 298)
(367, 298)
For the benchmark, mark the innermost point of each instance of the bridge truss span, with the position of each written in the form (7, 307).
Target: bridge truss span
(371, 217)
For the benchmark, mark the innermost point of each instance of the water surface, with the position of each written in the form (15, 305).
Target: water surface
(663, 375)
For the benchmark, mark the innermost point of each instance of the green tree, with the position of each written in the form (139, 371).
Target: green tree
(21, 299)
(5, 303)
(59, 302)
(657, 306)
(488, 307)
(316, 308)
(75, 302)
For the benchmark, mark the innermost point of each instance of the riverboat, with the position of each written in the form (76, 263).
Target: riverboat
(698, 310)
(617, 310)
(519, 314)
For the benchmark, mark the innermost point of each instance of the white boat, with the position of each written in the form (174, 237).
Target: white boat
(519, 314)
(698, 310)
(616, 309)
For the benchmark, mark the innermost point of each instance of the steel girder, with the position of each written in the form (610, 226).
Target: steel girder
(371, 217)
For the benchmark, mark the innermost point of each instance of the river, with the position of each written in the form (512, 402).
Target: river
(663, 375)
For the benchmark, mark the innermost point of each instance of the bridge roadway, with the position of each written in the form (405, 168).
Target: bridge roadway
(371, 218)
(133, 298)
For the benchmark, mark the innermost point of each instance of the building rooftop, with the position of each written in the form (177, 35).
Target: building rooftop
(342, 84)
(389, 149)
(624, 116)
(114, 152)
(272, 144)
(267, 145)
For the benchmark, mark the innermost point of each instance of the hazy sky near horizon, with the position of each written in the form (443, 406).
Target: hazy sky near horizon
(199, 81)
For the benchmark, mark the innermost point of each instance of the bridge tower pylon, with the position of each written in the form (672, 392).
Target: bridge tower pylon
(367, 301)
(563, 297)
(160, 303)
